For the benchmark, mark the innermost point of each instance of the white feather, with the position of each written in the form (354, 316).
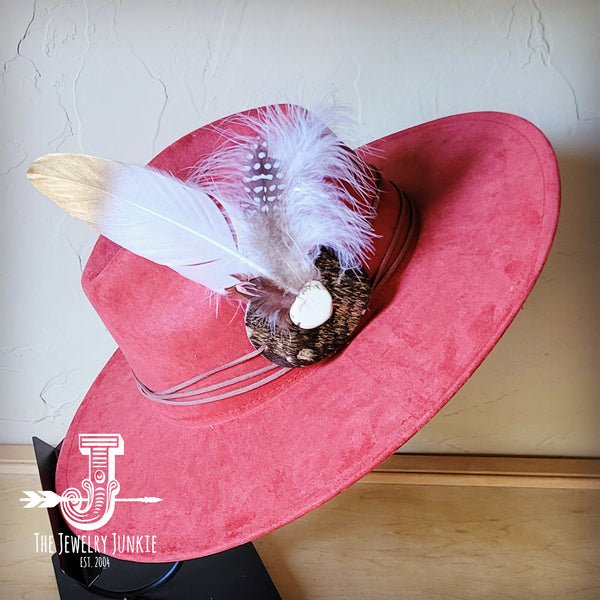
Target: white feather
(150, 213)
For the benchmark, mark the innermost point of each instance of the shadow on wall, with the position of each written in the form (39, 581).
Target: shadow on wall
(575, 262)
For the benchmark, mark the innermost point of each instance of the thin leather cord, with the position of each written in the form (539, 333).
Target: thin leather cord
(385, 271)
(173, 400)
(382, 269)
(176, 388)
(211, 388)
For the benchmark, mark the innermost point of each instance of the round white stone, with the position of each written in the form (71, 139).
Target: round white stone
(312, 307)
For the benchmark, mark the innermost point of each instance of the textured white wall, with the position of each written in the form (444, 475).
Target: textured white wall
(124, 79)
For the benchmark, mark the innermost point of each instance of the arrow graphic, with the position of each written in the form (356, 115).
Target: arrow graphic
(41, 500)
(48, 499)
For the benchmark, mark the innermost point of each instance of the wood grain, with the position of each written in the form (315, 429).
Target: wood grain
(441, 543)
(24, 573)
(488, 471)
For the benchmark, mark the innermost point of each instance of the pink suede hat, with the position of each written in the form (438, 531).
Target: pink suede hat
(486, 190)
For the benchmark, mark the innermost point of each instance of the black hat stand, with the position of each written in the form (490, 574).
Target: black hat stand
(236, 574)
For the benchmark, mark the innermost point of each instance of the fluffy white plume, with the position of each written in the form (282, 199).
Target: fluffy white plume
(292, 188)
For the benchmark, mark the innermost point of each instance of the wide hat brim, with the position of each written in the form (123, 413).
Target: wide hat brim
(486, 188)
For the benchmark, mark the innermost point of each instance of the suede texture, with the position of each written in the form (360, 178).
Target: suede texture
(486, 188)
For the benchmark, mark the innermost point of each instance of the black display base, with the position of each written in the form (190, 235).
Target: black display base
(236, 574)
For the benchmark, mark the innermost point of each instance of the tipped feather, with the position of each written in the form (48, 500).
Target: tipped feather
(149, 213)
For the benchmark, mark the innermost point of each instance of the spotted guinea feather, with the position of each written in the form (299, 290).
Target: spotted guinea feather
(286, 186)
